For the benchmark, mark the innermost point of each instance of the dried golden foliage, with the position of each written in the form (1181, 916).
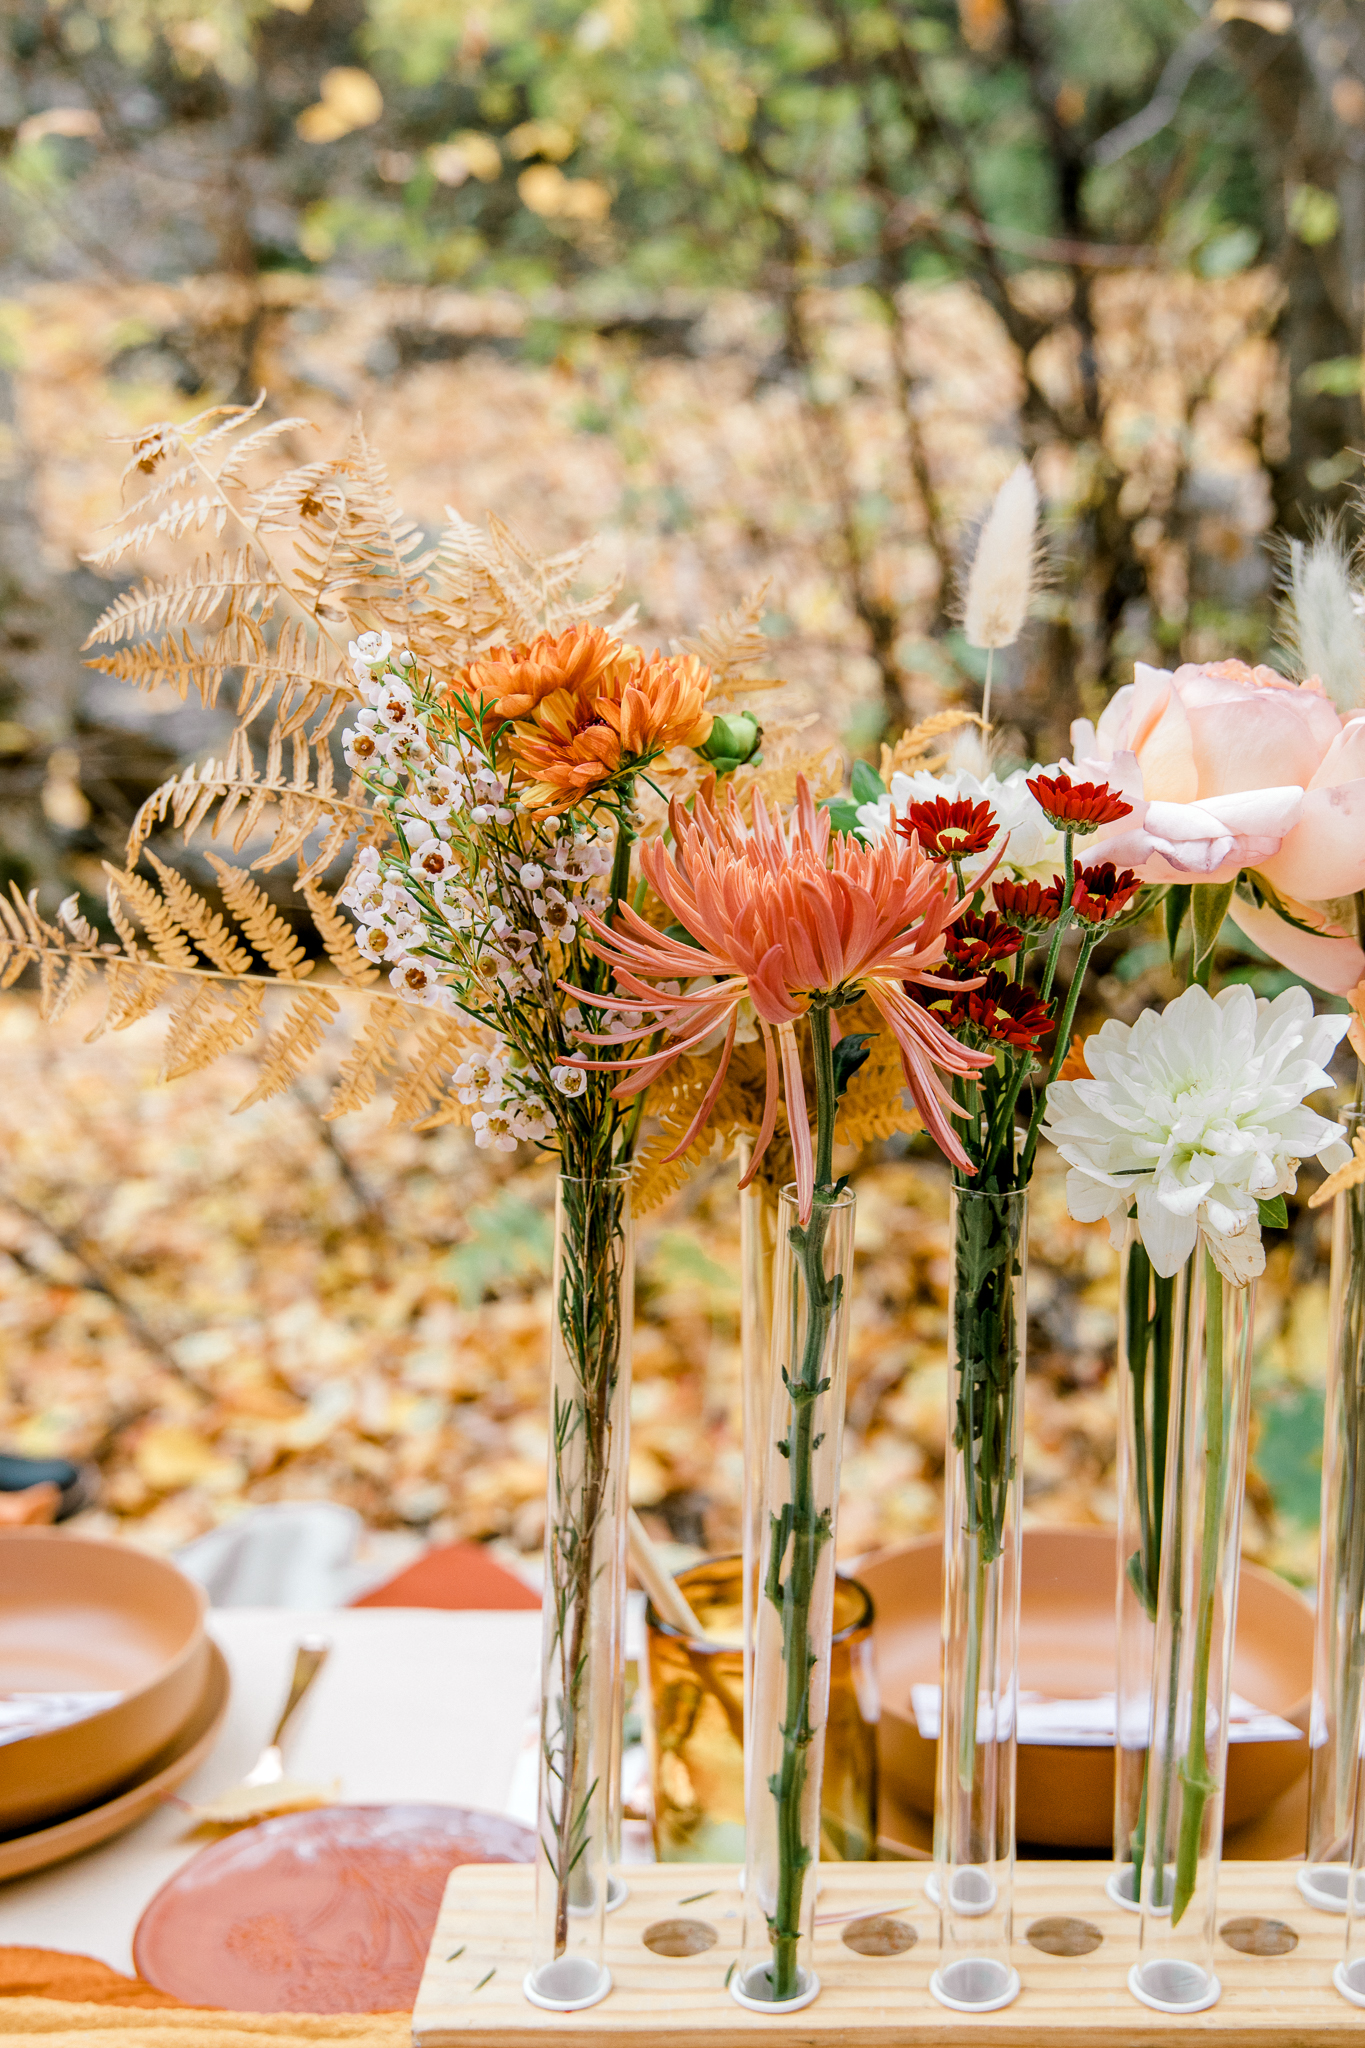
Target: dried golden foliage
(787, 754)
(373, 1052)
(298, 563)
(271, 935)
(911, 750)
(732, 643)
(674, 1100)
(1348, 1176)
(1074, 1067)
(440, 1041)
(193, 915)
(338, 936)
(875, 1104)
(209, 1018)
(288, 1050)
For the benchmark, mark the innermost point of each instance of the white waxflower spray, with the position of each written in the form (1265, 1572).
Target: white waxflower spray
(1001, 579)
(1321, 620)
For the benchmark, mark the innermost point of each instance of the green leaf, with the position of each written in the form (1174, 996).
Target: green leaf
(1313, 215)
(1209, 905)
(866, 784)
(849, 1055)
(1274, 1215)
(1338, 374)
(843, 815)
(1175, 908)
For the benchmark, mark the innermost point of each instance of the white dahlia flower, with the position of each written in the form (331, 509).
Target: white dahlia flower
(1035, 847)
(1196, 1113)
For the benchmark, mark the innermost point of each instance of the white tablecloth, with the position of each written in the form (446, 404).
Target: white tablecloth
(413, 1704)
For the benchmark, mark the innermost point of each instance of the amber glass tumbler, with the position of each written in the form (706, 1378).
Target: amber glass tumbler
(696, 1725)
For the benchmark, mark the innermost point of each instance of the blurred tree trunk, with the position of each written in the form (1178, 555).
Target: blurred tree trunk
(1309, 87)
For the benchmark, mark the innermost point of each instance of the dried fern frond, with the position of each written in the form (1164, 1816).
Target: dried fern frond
(787, 755)
(191, 598)
(130, 892)
(209, 1019)
(133, 992)
(911, 748)
(674, 1100)
(358, 555)
(295, 811)
(338, 936)
(60, 982)
(271, 935)
(288, 1050)
(733, 642)
(876, 1103)
(440, 1041)
(192, 914)
(374, 1051)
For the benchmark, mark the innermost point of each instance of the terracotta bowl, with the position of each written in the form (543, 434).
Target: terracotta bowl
(80, 1615)
(1067, 1648)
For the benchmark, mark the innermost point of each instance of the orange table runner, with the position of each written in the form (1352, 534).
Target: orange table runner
(49, 1999)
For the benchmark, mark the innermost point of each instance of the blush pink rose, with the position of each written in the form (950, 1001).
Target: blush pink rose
(1229, 769)
(1330, 958)
(1324, 855)
(1144, 746)
(1251, 728)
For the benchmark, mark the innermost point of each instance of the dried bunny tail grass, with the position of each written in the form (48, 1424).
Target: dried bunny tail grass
(1001, 579)
(1318, 617)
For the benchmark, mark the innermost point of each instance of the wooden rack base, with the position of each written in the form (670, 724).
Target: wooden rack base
(473, 1999)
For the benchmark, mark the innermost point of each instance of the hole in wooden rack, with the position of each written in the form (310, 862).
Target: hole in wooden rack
(1060, 1935)
(880, 1934)
(1255, 1937)
(679, 1937)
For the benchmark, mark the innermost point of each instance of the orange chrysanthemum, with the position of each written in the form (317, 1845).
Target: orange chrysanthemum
(585, 708)
(785, 917)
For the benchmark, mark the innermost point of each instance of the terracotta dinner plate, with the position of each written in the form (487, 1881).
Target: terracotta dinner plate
(1066, 1649)
(20, 1854)
(329, 1911)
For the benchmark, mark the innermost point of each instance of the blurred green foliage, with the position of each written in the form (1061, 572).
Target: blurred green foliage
(681, 142)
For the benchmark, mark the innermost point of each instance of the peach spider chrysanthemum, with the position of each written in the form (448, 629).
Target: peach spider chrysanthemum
(787, 918)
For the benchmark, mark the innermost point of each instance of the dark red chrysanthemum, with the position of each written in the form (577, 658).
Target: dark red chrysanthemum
(1029, 906)
(949, 828)
(1000, 1012)
(978, 938)
(1102, 892)
(1078, 807)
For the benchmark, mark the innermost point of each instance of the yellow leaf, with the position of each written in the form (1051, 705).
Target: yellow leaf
(1276, 17)
(542, 189)
(542, 138)
(350, 99)
(1348, 1176)
(170, 1456)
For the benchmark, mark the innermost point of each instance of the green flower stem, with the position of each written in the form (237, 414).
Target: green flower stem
(1060, 1046)
(588, 1311)
(1059, 929)
(986, 1344)
(800, 1533)
(1150, 1316)
(625, 839)
(1196, 1778)
(1350, 1508)
(971, 1677)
